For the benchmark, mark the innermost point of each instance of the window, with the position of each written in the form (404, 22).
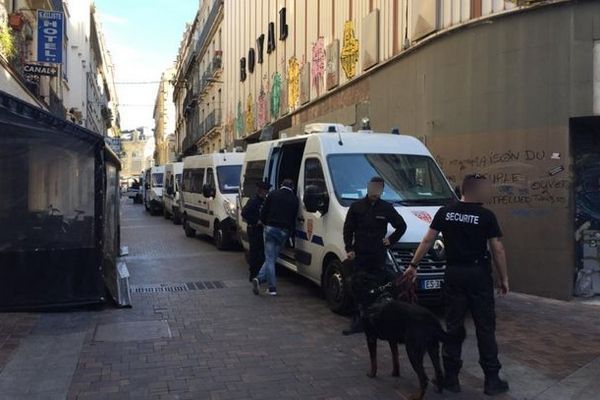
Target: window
(313, 175)
(229, 178)
(157, 180)
(210, 177)
(186, 180)
(255, 171)
(52, 204)
(410, 180)
(197, 180)
(192, 180)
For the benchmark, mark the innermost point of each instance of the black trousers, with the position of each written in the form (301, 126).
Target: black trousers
(256, 253)
(471, 288)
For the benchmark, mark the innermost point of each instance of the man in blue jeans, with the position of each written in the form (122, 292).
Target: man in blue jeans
(278, 215)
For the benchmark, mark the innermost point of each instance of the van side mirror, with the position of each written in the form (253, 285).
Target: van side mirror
(315, 199)
(208, 191)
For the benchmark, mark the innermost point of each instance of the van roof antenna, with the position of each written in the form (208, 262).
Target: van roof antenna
(332, 129)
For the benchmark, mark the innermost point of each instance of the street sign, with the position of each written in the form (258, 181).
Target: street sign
(50, 36)
(115, 144)
(36, 69)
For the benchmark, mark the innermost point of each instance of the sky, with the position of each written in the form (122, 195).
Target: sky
(143, 38)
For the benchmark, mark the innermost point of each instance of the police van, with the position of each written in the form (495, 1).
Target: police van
(153, 189)
(332, 166)
(208, 195)
(173, 175)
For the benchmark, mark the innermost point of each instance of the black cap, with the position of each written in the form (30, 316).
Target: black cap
(263, 185)
(377, 179)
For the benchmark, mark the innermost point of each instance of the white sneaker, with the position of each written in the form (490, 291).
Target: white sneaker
(271, 293)
(256, 286)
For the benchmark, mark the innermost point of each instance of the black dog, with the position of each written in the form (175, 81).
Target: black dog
(386, 318)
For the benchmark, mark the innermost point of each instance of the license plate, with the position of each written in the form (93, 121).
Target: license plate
(431, 284)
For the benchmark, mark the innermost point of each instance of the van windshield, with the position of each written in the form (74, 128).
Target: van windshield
(410, 180)
(229, 178)
(157, 180)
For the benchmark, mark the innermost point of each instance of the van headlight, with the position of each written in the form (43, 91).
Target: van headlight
(230, 208)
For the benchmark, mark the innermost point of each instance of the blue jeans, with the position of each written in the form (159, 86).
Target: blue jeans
(275, 239)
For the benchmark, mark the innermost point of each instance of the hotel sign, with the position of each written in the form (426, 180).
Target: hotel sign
(50, 36)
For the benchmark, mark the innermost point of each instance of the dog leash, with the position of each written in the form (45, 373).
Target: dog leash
(407, 286)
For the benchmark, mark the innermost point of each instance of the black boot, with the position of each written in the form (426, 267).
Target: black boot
(494, 385)
(356, 326)
(451, 383)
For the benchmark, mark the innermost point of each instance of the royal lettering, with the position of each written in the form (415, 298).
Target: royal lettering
(271, 38)
(260, 47)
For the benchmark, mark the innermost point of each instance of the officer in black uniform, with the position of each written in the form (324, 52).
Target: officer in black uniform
(251, 214)
(468, 230)
(365, 231)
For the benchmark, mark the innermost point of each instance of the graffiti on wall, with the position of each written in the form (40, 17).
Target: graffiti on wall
(275, 95)
(317, 69)
(283, 102)
(249, 115)
(332, 76)
(350, 50)
(524, 179)
(293, 83)
(239, 120)
(305, 83)
(261, 108)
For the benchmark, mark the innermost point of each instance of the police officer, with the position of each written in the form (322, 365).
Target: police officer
(468, 230)
(365, 231)
(251, 214)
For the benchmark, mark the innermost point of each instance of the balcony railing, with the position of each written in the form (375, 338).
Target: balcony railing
(217, 63)
(210, 21)
(212, 121)
(189, 102)
(195, 132)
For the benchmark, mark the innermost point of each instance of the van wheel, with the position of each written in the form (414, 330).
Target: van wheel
(189, 231)
(221, 241)
(336, 291)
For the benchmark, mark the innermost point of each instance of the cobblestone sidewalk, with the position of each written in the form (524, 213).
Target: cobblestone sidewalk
(210, 340)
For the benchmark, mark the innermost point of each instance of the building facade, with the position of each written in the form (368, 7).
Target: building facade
(199, 93)
(19, 54)
(137, 152)
(164, 120)
(506, 88)
(53, 55)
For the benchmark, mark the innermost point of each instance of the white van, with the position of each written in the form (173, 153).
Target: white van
(208, 195)
(171, 196)
(154, 189)
(332, 167)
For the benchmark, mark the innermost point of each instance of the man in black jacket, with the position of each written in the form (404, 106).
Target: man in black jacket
(251, 214)
(469, 231)
(365, 231)
(278, 215)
